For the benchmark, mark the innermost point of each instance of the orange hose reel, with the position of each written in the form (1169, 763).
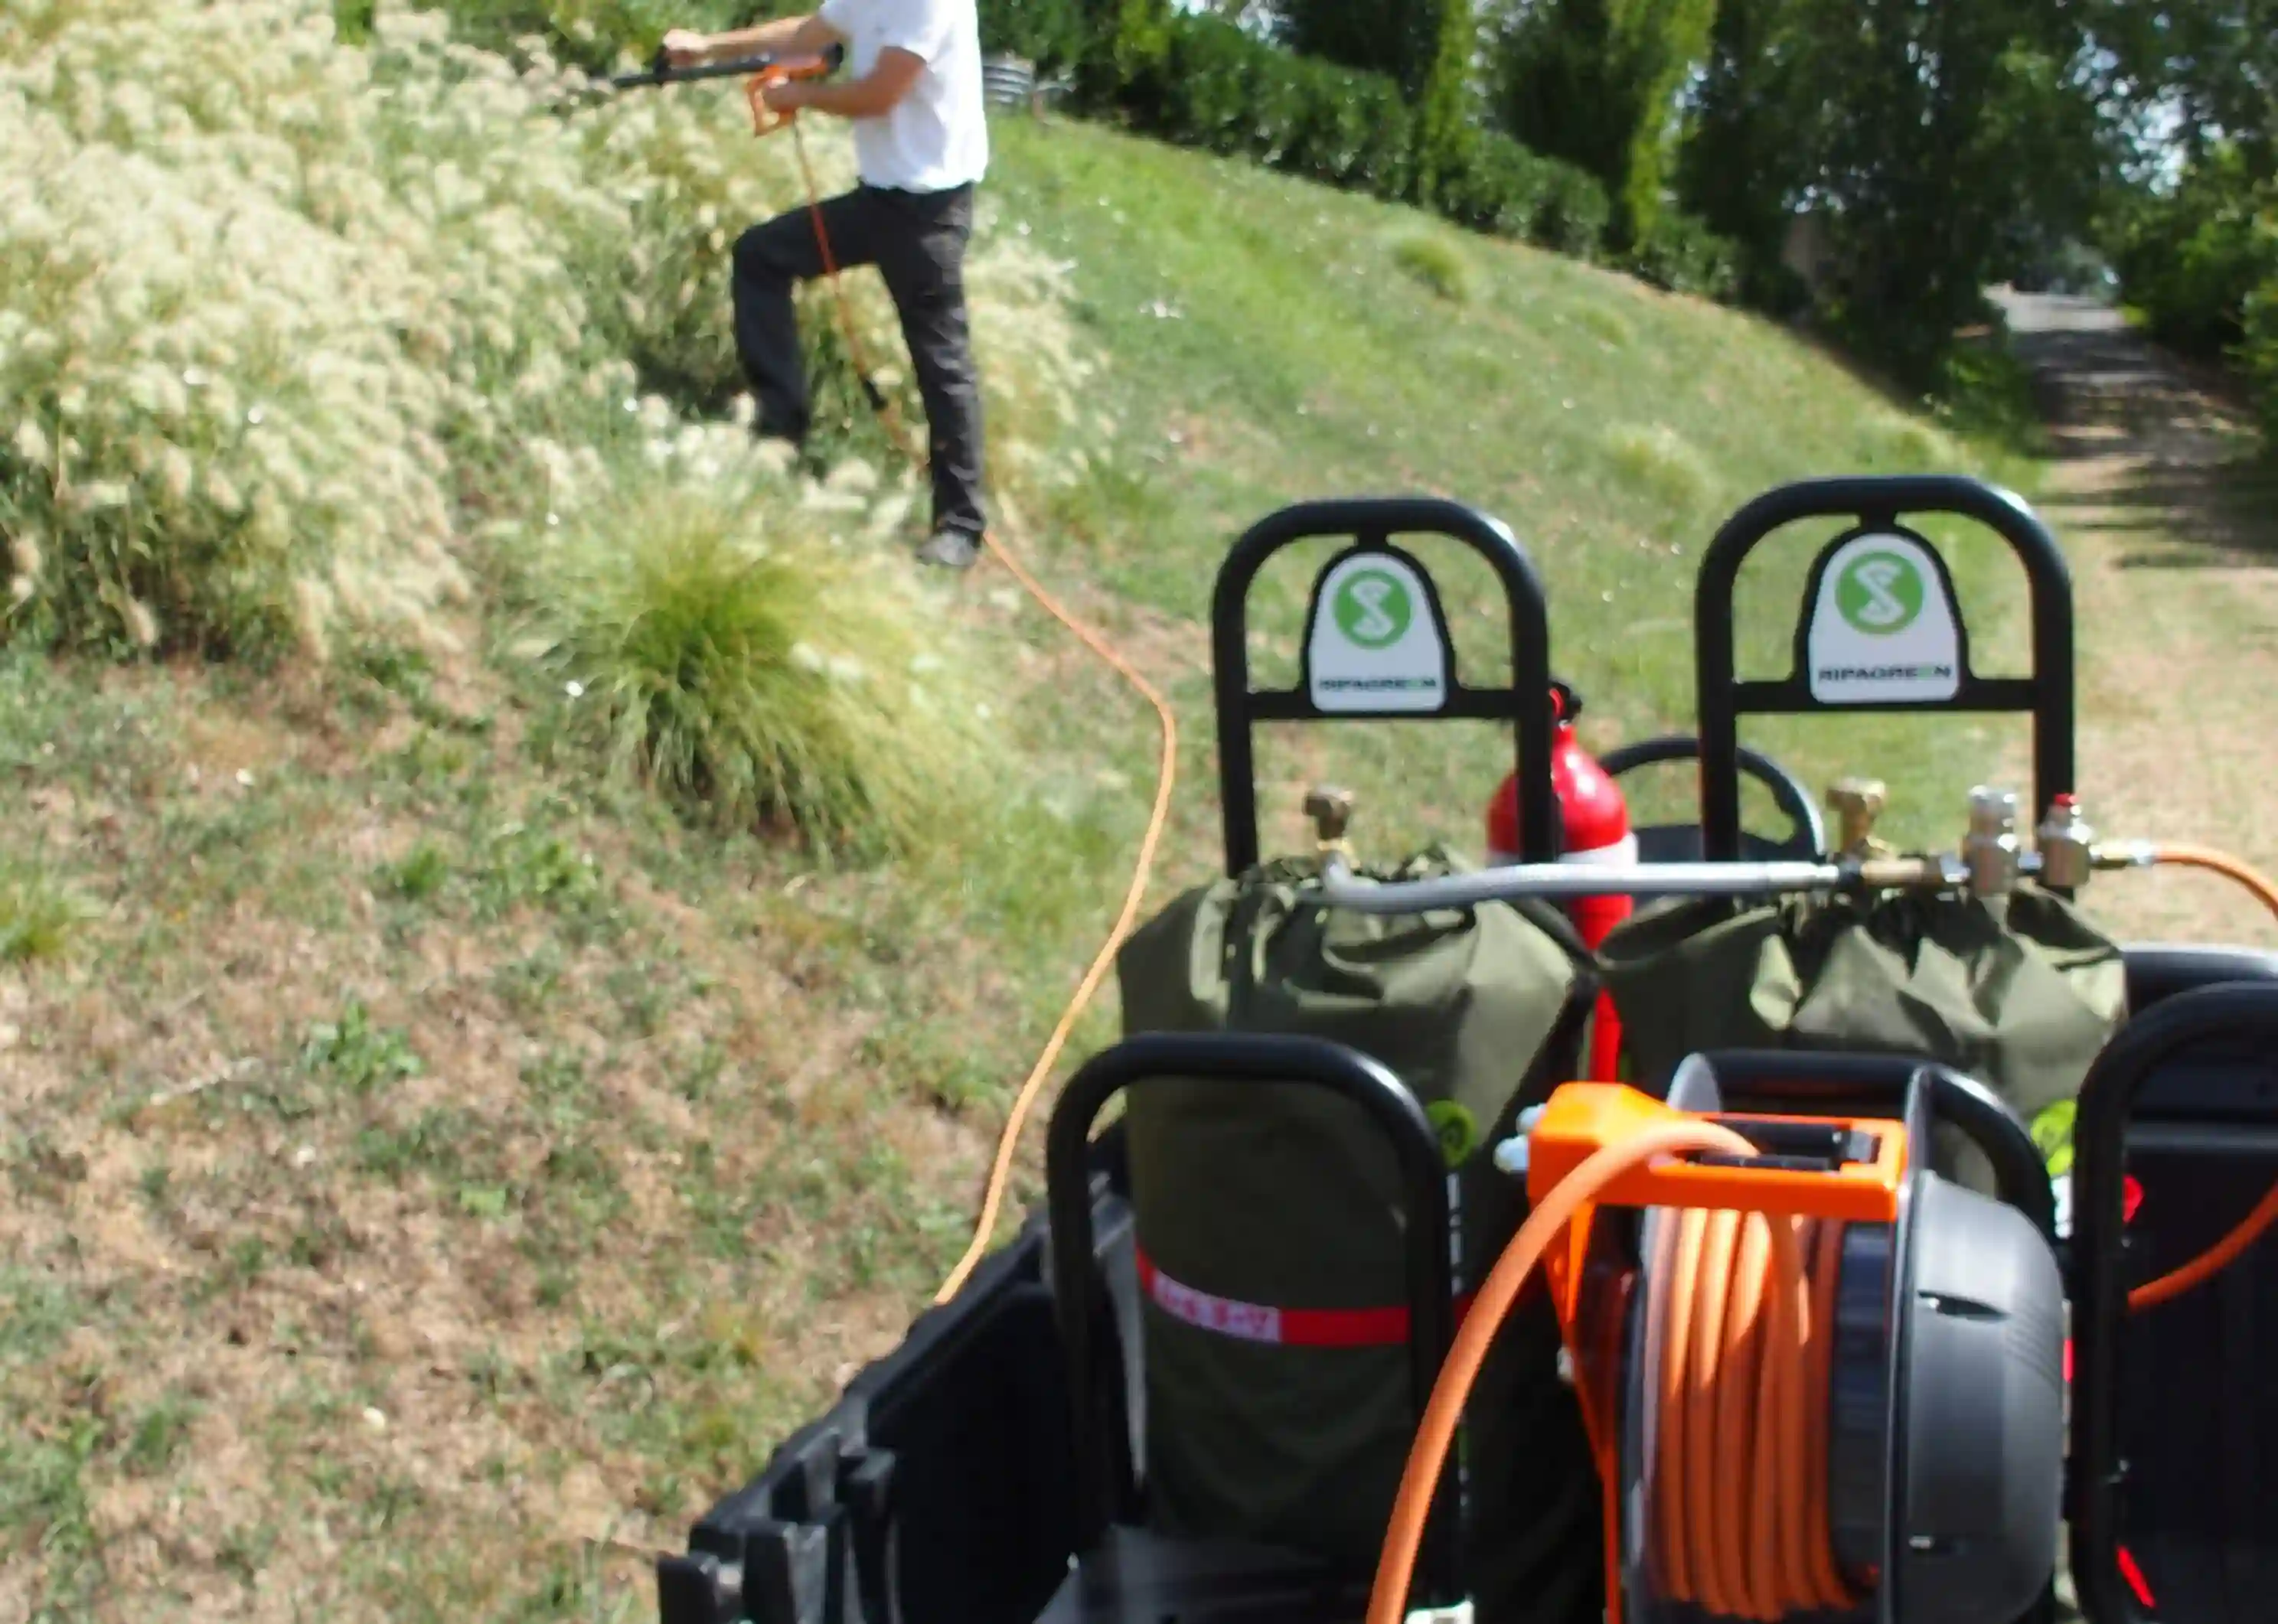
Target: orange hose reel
(1739, 1333)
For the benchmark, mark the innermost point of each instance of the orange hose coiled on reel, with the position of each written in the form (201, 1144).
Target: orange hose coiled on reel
(1743, 1317)
(1744, 1326)
(1745, 1364)
(1744, 1332)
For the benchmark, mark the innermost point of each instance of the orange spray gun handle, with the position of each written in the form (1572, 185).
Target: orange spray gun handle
(765, 119)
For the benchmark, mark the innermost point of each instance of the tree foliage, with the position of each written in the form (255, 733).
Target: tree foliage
(2212, 65)
(1403, 38)
(2195, 240)
(1930, 137)
(1595, 82)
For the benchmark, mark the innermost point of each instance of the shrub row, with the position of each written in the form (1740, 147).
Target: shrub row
(1678, 251)
(1209, 84)
(1491, 184)
(1215, 86)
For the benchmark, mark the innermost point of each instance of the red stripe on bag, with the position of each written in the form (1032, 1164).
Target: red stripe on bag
(1250, 1322)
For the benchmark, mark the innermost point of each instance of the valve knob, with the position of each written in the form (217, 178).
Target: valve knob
(1331, 809)
(1858, 802)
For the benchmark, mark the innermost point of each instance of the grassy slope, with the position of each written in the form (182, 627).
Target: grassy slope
(428, 1179)
(1274, 350)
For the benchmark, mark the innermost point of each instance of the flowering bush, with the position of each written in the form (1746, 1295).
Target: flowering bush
(281, 317)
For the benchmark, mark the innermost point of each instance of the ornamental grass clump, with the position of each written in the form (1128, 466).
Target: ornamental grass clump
(706, 643)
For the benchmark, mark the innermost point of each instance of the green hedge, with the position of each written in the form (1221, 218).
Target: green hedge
(1491, 184)
(1678, 252)
(1217, 87)
(2191, 260)
(2258, 352)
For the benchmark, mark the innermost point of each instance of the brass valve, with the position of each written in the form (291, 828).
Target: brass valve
(1859, 802)
(1331, 809)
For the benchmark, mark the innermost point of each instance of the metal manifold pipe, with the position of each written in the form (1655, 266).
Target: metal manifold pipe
(1342, 888)
(1990, 862)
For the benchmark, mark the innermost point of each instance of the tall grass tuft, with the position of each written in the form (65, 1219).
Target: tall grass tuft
(1663, 464)
(37, 916)
(1436, 262)
(761, 680)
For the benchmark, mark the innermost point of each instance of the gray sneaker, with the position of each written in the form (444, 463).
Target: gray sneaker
(951, 549)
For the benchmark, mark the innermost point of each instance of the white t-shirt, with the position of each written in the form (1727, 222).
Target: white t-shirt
(937, 137)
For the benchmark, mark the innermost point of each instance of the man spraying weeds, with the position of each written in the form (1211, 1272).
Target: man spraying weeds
(921, 146)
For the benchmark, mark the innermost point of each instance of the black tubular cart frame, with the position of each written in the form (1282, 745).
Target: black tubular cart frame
(1240, 1059)
(1372, 522)
(2241, 1014)
(1878, 503)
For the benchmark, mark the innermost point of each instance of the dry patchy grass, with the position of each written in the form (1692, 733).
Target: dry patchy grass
(414, 1178)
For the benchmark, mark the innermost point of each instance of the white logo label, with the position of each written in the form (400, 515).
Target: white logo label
(1883, 630)
(1247, 1320)
(1375, 645)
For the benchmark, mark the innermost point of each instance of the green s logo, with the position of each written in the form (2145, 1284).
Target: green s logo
(1880, 593)
(1373, 608)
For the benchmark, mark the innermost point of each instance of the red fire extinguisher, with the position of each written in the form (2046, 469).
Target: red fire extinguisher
(1595, 820)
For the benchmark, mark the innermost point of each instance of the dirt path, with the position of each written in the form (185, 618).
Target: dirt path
(2171, 531)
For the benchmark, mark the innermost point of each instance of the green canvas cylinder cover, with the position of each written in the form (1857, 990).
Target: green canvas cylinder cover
(1287, 1197)
(2019, 991)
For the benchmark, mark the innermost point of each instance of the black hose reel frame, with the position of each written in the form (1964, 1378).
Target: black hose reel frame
(1372, 522)
(1876, 503)
(2237, 1014)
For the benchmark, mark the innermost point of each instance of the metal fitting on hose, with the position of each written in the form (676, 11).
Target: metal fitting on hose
(2066, 845)
(2123, 854)
(1911, 873)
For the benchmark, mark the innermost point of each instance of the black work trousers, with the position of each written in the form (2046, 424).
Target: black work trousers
(917, 241)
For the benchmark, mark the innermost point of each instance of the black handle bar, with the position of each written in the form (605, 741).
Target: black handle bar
(1372, 521)
(2245, 1015)
(1878, 503)
(1247, 1058)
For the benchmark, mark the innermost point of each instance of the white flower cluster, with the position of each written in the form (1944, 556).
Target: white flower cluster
(276, 314)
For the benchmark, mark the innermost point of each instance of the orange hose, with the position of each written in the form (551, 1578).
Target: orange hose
(2211, 1263)
(1165, 775)
(1166, 771)
(2222, 863)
